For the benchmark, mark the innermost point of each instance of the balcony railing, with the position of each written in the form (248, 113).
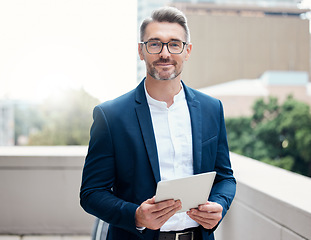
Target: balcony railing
(40, 195)
(271, 204)
(40, 191)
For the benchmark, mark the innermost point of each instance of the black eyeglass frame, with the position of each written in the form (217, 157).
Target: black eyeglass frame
(163, 43)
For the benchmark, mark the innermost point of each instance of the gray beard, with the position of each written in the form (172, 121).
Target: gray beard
(155, 74)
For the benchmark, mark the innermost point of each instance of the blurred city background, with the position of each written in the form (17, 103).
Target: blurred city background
(58, 59)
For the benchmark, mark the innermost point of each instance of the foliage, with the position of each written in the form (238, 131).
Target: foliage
(67, 119)
(27, 119)
(278, 134)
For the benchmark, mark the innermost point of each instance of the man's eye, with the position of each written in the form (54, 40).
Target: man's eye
(175, 44)
(154, 44)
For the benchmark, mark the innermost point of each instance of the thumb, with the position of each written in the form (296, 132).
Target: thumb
(150, 200)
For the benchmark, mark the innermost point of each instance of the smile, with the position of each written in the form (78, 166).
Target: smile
(164, 64)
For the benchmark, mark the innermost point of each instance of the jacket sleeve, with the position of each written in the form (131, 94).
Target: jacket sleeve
(98, 177)
(224, 187)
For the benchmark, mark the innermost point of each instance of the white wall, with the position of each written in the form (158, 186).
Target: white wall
(40, 191)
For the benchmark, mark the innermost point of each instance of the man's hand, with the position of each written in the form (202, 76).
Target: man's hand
(153, 215)
(208, 215)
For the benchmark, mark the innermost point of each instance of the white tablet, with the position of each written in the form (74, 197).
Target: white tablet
(191, 191)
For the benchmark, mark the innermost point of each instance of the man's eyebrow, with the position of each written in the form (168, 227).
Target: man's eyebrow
(153, 39)
(176, 39)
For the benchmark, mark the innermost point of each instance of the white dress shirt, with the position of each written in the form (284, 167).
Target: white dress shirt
(172, 129)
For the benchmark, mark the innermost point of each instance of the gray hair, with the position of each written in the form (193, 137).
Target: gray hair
(166, 14)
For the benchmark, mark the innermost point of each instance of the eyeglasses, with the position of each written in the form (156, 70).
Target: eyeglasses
(156, 47)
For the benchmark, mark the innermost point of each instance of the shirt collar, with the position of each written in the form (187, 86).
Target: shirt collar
(179, 97)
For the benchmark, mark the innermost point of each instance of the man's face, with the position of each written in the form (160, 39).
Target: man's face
(164, 66)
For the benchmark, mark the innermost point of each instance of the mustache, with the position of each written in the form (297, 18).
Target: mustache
(161, 60)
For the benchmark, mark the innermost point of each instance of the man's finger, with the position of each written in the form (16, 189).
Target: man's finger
(210, 207)
(163, 205)
(150, 200)
(169, 212)
(202, 214)
(169, 208)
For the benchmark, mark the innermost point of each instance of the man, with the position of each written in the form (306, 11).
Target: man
(160, 130)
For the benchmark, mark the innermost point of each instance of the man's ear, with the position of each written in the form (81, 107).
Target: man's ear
(140, 51)
(188, 51)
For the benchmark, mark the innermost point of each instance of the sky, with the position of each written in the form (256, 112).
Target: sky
(306, 3)
(50, 45)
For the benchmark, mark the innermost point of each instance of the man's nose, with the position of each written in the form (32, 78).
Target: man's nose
(165, 53)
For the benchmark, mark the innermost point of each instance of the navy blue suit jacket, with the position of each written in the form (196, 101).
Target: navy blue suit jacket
(122, 170)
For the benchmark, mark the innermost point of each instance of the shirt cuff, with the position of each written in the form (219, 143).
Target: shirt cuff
(141, 229)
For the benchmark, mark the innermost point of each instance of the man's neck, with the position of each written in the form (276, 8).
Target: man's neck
(163, 90)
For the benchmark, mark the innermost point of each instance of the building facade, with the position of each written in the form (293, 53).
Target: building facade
(242, 41)
(239, 96)
(6, 123)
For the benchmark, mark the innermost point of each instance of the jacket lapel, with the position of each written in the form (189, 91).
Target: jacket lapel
(196, 126)
(145, 122)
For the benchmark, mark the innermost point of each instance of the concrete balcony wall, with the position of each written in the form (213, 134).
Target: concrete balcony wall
(271, 204)
(39, 189)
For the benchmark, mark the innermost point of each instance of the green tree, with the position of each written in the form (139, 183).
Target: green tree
(67, 119)
(294, 126)
(239, 132)
(276, 134)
